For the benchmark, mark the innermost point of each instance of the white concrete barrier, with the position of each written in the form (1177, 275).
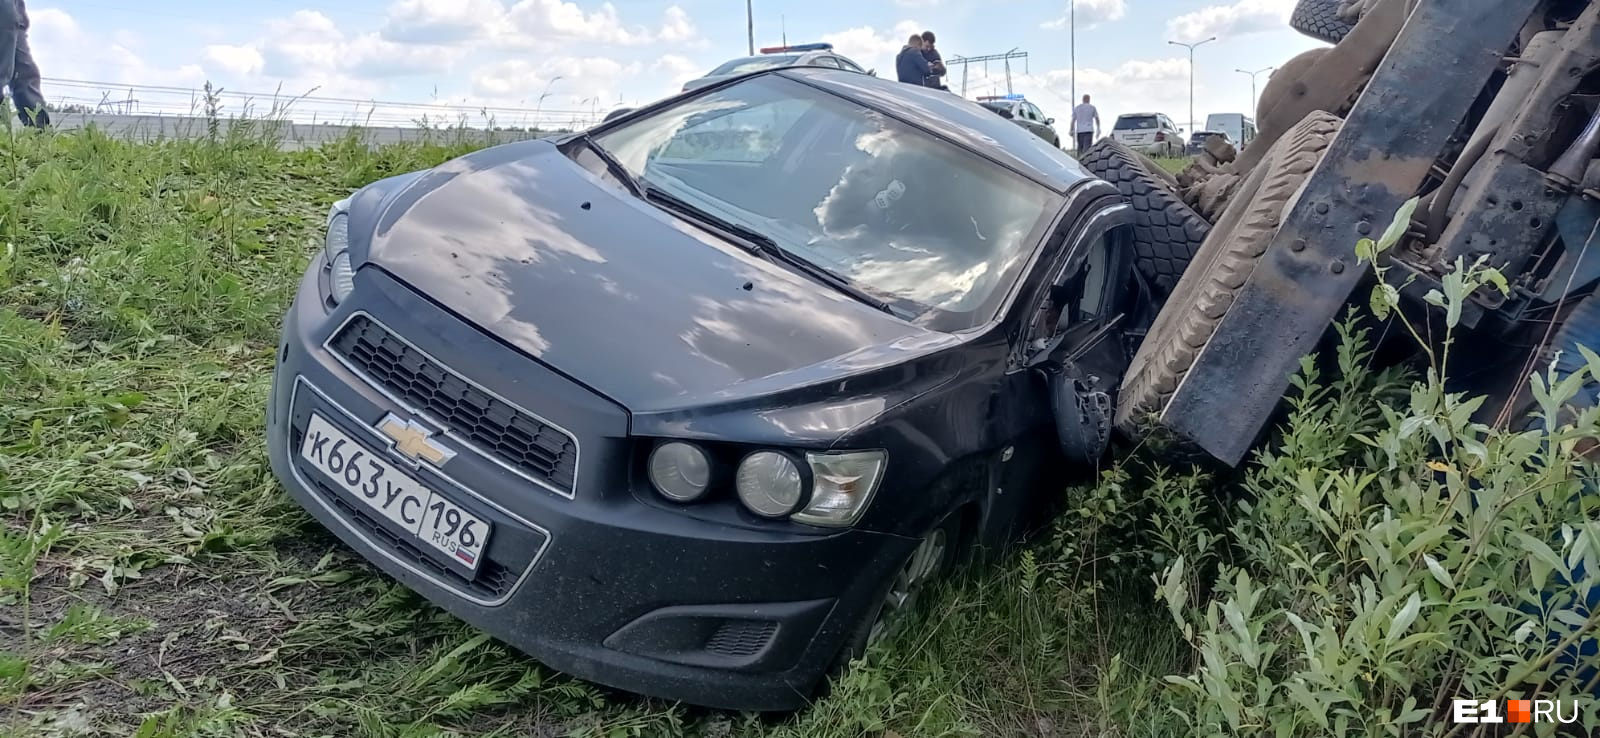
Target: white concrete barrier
(144, 128)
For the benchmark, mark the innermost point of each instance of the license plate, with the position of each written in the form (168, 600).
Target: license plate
(430, 517)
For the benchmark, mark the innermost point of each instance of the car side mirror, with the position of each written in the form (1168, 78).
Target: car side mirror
(872, 72)
(1083, 413)
(1049, 121)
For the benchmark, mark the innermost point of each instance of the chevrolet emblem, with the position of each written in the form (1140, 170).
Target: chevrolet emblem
(414, 441)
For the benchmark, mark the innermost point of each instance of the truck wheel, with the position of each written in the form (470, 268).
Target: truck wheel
(1206, 291)
(1166, 232)
(1320, 19)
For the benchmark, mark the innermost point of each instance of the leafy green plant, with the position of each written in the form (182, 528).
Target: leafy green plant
(1393, 554)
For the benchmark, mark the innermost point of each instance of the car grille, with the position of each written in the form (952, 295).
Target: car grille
(740, 638)
(526, 444)
(494, 579)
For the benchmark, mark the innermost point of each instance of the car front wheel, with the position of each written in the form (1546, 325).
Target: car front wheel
(932, 559)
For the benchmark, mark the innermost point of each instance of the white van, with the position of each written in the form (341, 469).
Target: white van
(1239, 127)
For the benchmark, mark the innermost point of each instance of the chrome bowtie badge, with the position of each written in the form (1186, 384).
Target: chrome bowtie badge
(414, 441)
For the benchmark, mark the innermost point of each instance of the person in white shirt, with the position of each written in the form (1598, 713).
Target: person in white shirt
(1085, 124)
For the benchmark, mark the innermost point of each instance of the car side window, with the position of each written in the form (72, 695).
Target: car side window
(750, 135)
(850, 65)
(826, 61)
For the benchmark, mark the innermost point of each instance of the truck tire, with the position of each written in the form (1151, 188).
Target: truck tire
(1206, 291)
(1166, 232)
(1320, 19)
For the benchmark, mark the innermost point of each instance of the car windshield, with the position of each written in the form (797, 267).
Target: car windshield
(754, 63)
(1136, 123)
(933, 229)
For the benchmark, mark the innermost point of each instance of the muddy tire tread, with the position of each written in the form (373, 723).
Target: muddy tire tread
(1320, 20)
(1206, 292)
(1166, 232)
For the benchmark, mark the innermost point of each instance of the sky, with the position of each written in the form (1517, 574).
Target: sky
(584, 57)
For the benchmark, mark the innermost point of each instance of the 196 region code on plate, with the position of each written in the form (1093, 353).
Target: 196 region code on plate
(426, 515)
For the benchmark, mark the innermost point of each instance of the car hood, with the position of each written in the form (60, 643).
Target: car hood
(617, 294)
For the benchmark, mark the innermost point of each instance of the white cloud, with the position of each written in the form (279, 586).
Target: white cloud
(1088, 14)
(676, 70)
(573, 83)
(871, 48)
(677, 27)
(441, 21)
(235, 60)
(1237, 19)
(64, 50)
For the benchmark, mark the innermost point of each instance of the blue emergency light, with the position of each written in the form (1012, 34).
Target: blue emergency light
(797, 47)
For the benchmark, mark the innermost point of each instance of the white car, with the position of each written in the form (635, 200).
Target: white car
(798, 55)
(1153, 134)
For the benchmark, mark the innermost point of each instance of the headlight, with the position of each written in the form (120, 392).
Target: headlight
(772, 485)
(845, 482)
(336, 250)
(680, 471)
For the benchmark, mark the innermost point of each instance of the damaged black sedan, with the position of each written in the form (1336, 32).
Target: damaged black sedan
(692, 402)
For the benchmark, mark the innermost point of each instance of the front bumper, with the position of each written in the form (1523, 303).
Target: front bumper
(588, 580)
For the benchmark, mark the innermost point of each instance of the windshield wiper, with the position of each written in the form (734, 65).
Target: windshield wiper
(617, 170)
(764, 245)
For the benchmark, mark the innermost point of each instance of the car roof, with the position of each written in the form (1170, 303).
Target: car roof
(1140, 115)
(955, 118)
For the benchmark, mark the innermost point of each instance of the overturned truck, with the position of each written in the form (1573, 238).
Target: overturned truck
(1479, 118)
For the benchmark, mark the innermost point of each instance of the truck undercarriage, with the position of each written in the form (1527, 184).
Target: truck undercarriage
(1483, 115)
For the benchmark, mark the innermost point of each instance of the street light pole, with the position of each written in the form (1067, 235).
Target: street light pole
(750, 24)
(1072, 25)
(1191, 48)
(1253, 85)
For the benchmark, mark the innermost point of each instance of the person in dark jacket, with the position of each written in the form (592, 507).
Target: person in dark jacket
(936, 69)
(911, 67)
(17, 69)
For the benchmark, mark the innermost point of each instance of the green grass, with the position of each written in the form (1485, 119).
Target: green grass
(1176, 166)
(155, 580)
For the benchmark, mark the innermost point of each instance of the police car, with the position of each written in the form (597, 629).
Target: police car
(1016, 108)
(772, 57)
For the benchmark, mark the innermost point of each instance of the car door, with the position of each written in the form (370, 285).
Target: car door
(1070, 320)
(1034, 122)
(849, 66)
(1046, 124)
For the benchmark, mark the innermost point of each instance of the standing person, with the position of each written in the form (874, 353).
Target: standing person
(1085, 124)
(936, 69)
(910, 66)
(17, 69)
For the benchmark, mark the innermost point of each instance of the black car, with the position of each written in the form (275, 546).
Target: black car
(691, 402)
(1197, 141)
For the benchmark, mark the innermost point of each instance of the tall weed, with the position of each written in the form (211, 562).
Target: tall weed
(1388, 554)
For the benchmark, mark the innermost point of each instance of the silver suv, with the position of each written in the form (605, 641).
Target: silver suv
(1153, 134)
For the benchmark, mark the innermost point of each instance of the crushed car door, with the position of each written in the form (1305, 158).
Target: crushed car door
(1075, 341)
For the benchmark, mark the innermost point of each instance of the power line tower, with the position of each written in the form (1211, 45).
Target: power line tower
(966, 61)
